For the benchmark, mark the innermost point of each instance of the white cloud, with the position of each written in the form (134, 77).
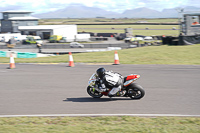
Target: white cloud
(141, 4)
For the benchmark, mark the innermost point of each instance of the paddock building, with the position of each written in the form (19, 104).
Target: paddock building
(22, 22)
(45, 31)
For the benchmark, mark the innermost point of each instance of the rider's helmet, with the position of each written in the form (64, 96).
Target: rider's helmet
(100, 72)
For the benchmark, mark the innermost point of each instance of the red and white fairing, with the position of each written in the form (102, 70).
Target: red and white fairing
(131, 78)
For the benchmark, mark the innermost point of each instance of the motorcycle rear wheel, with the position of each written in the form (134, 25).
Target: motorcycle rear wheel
(135, 91)
(93, 93)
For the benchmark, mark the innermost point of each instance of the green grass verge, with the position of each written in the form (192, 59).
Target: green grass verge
(120, 29)
(100, 125)
(104, 20)
(179, 55)
(130, 26)
(136, 32)
(102, 27)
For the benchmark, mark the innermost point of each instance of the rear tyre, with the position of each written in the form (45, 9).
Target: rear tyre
(93, 93)
(135, 91)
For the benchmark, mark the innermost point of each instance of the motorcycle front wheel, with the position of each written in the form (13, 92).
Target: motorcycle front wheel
(135, 91)
(93, 93)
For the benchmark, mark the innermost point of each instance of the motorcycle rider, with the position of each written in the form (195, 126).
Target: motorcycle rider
(109, 79)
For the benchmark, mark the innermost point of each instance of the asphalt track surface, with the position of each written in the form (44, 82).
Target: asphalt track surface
(33, 89)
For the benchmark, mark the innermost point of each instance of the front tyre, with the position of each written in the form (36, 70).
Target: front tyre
(135, 91)
(93, 93)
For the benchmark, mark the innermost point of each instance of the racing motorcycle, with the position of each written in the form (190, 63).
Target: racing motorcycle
(129, 89)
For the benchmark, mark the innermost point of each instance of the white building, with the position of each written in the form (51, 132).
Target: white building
(45, 31)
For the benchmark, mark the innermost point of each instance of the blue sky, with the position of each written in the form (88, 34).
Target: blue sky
(41, 6)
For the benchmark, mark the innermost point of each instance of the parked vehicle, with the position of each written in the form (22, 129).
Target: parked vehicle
(33, 40)
(76, 45)
(55, 38)
(157, 40)
(148, 40)
(64, 39)
(7, 36)
(130, 89)
(127, 39)
(137, 40)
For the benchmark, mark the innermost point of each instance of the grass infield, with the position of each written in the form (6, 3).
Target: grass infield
(114, 124)
(177, 55)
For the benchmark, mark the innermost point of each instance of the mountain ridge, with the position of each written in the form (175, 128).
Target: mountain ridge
(81, 11)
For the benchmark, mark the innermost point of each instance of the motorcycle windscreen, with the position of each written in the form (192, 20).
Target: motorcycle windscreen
(92, 79)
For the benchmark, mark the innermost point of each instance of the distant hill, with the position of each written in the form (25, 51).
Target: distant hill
(81, 11)
(141, 13)
(78, 11)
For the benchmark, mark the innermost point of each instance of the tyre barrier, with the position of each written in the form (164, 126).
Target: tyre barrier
(26, 55)
(18, 54)
(2, 54)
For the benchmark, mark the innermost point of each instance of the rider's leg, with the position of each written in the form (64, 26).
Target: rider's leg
(114, 91)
